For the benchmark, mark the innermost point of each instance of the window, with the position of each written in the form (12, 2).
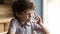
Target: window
(51, 15)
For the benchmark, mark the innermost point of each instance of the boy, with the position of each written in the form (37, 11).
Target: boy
(25, 21)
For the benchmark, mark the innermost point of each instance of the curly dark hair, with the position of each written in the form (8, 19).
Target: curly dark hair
(21, 6)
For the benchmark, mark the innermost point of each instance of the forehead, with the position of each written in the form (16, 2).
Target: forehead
(28, 11)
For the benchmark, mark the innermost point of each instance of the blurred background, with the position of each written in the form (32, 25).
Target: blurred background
(51, 15)
(49, 10)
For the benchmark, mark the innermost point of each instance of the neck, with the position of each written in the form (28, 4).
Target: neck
(21, 21)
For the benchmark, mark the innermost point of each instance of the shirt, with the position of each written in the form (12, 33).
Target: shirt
(31, 26)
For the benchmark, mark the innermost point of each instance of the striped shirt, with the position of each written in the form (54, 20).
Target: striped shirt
(31, 26)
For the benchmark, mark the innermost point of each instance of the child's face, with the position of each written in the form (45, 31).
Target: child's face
(25, 16)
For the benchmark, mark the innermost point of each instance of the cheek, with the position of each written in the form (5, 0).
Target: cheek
(23, 17)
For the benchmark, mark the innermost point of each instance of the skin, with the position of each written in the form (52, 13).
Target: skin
(43, 27)
(25, 16)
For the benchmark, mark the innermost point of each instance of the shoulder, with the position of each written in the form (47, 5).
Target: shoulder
(14, 21)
